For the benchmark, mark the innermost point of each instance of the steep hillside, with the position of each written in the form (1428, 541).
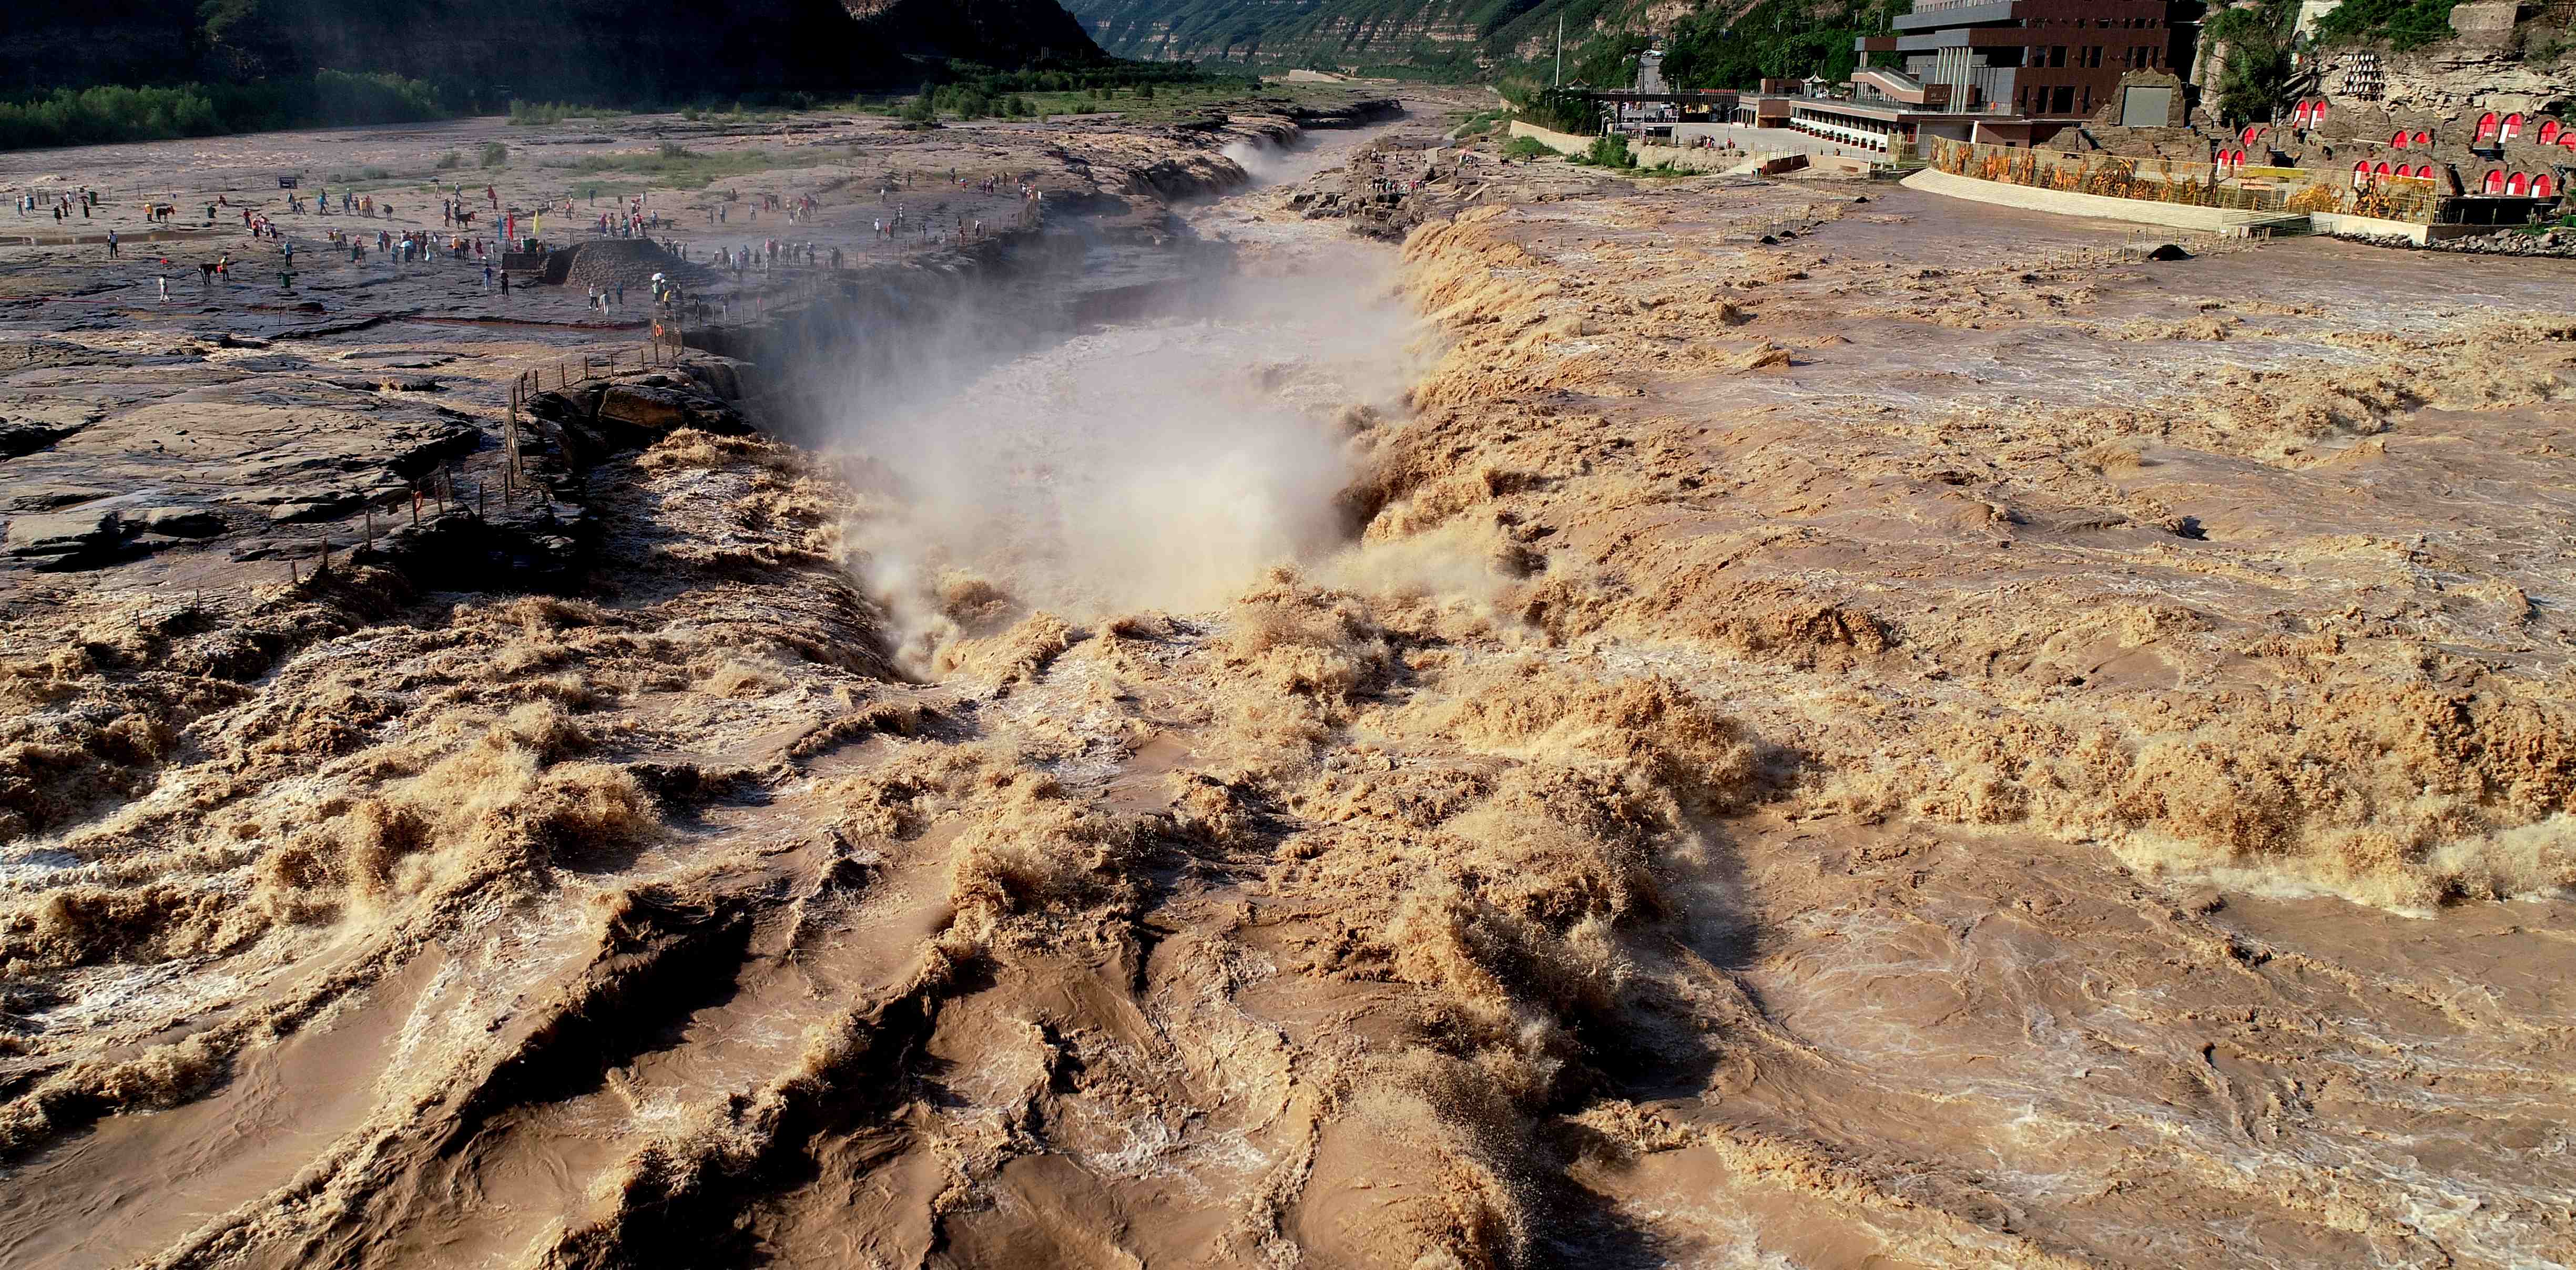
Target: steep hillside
(1601, 36)
(1776, 39)
(1356, 32)
(592, 50)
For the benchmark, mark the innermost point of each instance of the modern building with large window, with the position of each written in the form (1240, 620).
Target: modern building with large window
(2035, 59)
(2001, 72)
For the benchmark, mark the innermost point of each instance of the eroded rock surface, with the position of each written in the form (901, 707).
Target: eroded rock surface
(1820, 726)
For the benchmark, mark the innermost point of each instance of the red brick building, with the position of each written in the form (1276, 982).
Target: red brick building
(2039, 59)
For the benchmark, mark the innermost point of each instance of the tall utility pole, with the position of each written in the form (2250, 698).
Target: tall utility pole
(1560, 50)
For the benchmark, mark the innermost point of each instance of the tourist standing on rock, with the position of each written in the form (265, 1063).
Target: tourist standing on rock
(111, 244)
(164, 280)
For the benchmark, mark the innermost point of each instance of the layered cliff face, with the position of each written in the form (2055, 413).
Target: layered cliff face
(570, 49)
(1274, 30)
(1421, 33)
(1340, 32)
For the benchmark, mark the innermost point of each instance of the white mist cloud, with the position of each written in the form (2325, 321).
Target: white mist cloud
(1157, 464)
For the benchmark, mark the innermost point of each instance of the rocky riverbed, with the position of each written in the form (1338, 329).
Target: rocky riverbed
(1650, 721)
(2559, 242)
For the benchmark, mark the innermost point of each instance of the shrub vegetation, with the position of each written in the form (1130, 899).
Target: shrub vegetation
(93, 116)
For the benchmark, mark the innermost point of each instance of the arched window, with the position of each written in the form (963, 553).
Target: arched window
(2518, 185)
(2380, 172)
(2423, 138)
(2567, 139)
(2399, 140)
(2299, 115)
(2549, 132)
(2251, 131)
(2361, 174)
(2487, 127)
(2512, 127)
(2494, 182)
(2544, 186)
(2318, 115)
(2424, 171)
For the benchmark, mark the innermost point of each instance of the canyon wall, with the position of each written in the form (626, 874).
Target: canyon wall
(587, 50)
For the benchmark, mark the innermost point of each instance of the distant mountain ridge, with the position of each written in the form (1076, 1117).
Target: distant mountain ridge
(1355, 32)
(605, 51)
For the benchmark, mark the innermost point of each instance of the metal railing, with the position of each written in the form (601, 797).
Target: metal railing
(661, 349)
(1807, 217)
(2188, 184)
(437, 491)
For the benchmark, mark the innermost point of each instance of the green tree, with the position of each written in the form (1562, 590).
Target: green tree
(921, 107)
(2404, 24)
(1564, 110)
(1608, 60)
(1776, 39)
(1610, 152)
(2254, 79)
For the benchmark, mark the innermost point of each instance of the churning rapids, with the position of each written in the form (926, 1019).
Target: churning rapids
(1482, 753)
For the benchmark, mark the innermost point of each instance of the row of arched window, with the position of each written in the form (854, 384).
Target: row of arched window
(2367, 172)
(2493, 128)
(2498, 181)
(2521, 184)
